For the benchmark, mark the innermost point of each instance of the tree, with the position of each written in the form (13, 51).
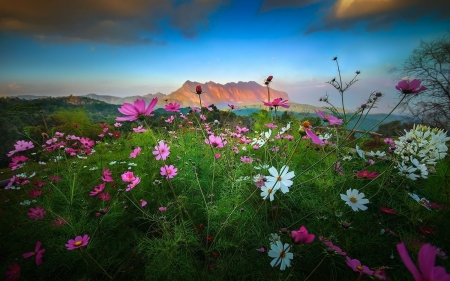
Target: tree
(430, 63)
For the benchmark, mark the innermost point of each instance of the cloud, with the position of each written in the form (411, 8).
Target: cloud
(14, 86)
(378, 14)
(114, 22)
(268, 5)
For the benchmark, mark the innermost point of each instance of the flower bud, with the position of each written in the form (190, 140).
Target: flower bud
(198, 89)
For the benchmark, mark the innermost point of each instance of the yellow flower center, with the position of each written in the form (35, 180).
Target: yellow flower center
(279, 178)
(353, 200)
(282, 254)
(269, 191)
(360, 268)
(78, 243)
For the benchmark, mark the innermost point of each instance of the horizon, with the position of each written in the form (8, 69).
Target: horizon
(147, 47)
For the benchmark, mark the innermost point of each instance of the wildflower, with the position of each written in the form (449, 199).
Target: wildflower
(139, 129)
(143, 202)
(104, 196)
(280, 180)
(360, 152)
(277, 102)
(247, 160)
(172, 107)
(198, 90)
(128, 177)
(271, 126)
(268, 191)
(259, 180)
(306, 128)
(410, 87)
(426, 259)
(117, 124)
(216, 142)
(17, 162)
(78, 242)
(37, 252)
(137, 110)
(161, 151)
(262, 139)
(162, 209)
(388, 210)
(427, 230)
(232, 106)
(37, 213)
(116, 134)
(133, 184)
(280, 254)
(301, 236)
(107, 176)
(217, 156)
(333, 120)
(355, 199)
(169, 171)
(331, 248)
(356, 266)
(366, 174)
(135, 152)
(380, 274)
(97, 189)
(55, 178)
(261, 250)
(377, 154)
(34, 193)
(13, 273)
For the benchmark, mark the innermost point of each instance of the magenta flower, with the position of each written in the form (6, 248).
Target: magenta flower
(331, 248)
(426, 258)
(356, 266)
(366, 174)
(143, 202)
(128, 177)
(217, 156)
(133, 184)
(139, 129)
(104, 196)
(332, 120)
(34, 193)
(135, 152)
(410, 87)
(21, 145)
(78, 242)
(97, 189)
(246, 159)
(17, 162)
(172, 107)
(215, 141)
(232, 106)
(170, 120)
(198, 90)
(169, 171)
(107, 176)
(58, 222)
(37, 252)
(137, 110)
(388, 210)
(162, 209)
(161, 151)
(37, 213)
(277, 102)
(306, 127)
(271, 126)
(13, 272)
(301, 236)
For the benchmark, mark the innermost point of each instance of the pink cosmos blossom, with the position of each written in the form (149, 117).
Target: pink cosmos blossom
(86, 142)
(55, 178)
(22, 145)
(139, 129)
(161, 151)
(216, 142)
(107, 176)
(426, 258)
(78, 242)
(37, 252)
(133, 184)
(37, 213)
(136, 110)
(135, 152)
(17, 162)
(203, 117)
(366, 174)
(271, 126)
(332, 248)
(34, 193)
(58, 222)
(169, 171)
(101, 135)
(195, 109)
(307, 128)
(97, 189)
(388, 210)
(104, 196)
(261, 250)
(143, 203)
(128, 177)
(246, 159)
(241, 130)
(277, 102)
(410, 87)
(117, 124)
(162, 209)
(332, 120)
(217, 156)
(13, 272)
(172, 107)
(301, 236)
(170, 120)
(232, 106)
(356, 266)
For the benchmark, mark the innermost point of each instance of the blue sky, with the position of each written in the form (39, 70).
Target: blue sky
(124, 48)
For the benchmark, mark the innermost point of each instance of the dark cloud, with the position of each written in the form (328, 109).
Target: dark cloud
(105, 21)
(378, 14)
(268, 5)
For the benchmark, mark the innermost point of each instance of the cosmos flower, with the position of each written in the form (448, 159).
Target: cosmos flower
(172, 107)
(332, 120)
(37, 252)
(169, 171)
(355, 199)
(356, 266)
(281, 255)
(161, 151)
(301, 236)
(13, 272)
(277, 102)
(366, 174)
(136, 110)
(78, 242)
(410, 87)
(281, 180)
(215, 142)
(37, 213)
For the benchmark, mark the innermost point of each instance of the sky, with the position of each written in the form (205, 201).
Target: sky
(138, 47)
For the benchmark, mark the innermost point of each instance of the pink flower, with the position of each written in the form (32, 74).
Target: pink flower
(17, 162)
(170, 120)
(97, 189)
(137, 110)
(388, 210)
(217, 156)
(169, 171)
(246, 159)
(232, 106)
(135, 152)
(366, 174)
(172, 107)
(277, 102)
(117, 124)
(162, 209)
(426, 258)
(356, 266)
(215, 141)
(139, 129)
(271, 126)
(198, 90)
(37, 213)
(410, 87)
(58, 222)
(301, 236)
(13, 273)
(104, 196)
(332, 248)
(332, 120)
(161, 151)
(107, 176)
(128, 177)
(34, 193)
(203, 117)
(261, 250)
(143, 203)
(241, 130)
(37, 252)
(133, 184)
(55, 178)
(78, 242)
(268, 80)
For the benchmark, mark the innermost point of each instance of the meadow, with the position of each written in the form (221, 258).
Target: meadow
(207, 199)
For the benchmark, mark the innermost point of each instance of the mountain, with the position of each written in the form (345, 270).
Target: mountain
(241, 93)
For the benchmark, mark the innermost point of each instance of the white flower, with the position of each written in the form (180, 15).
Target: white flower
(280, 255)
(407, 171)
(377, 154)
(284, 129)
(360, 152)
(326, 136)
(112, 163)
(93, 169)
(280, 180)
(262, 139)
(267, 191)
(355, 199)
(274, 239)
(262, 166)
(421, 201)
(346, 158)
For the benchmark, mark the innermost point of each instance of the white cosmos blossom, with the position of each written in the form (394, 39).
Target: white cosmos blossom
(281, 255)
(281, 180)
(262, 139)
(377, 153)
(360, 152)
(267, 192)
(355, 199)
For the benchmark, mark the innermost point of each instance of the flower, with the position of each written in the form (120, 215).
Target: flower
(117, 124)
(133, 184)
(128, 177)
(331, 248)
(410, 87)
(268, 80)
(135, 152)
(97, 189)
(280, 180)
(139, 129)
(301, 236)
(78, 242)
(387, 210)
(37, 213)
(169, 171)
(355, 199)
(268, 191)
(162, 209)
(104, 196)
(37, 252)
(116, 135)
(271, 126)
(107, 176)
(277, 102)
(161, 151)
(246, 159)
(280, 254)
(232, 106)
(217, 156)
(198, 90)
(366, 174)
(34, 193)
(306, 128)
(356, 266)
(215, 141)
(13, 273)
(332, 120)
(143, 202)
(426, 258)
(137, 110)
(58, 222)
(172, 107)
